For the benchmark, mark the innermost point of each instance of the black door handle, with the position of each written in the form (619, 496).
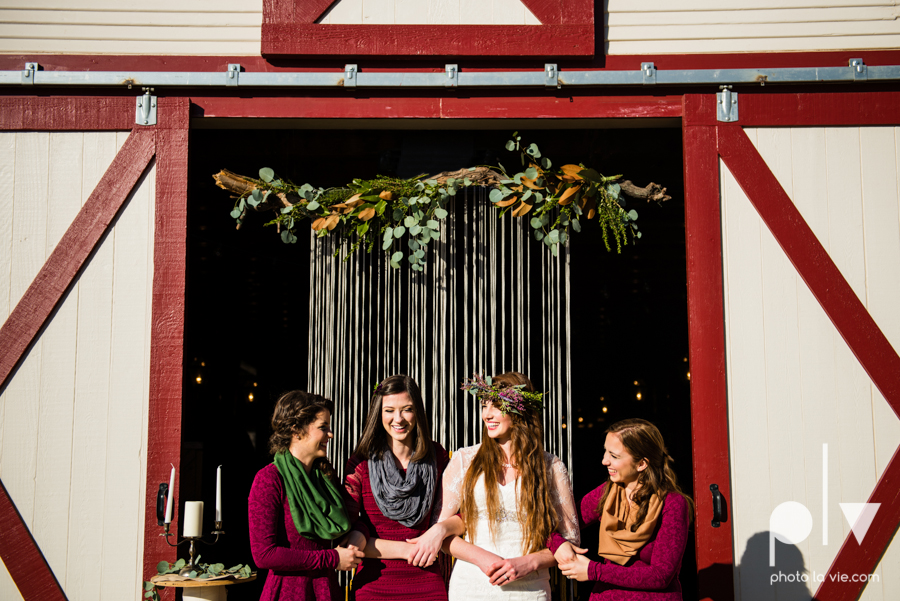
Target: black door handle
(161, 499)
(718, 506)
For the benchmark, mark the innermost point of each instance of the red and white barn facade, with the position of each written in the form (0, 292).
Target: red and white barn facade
(792, 221)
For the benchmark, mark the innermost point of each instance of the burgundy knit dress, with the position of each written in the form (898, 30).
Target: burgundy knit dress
(300, 569)
(387, 579)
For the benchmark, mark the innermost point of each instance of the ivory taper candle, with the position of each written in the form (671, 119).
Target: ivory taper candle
(169, 498)
(193, 518)
(219, 494)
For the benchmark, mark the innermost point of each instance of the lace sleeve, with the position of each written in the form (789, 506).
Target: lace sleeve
(452, 481)
(564, 502)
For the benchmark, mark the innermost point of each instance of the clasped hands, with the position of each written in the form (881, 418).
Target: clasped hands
(350, 551)
(572, 562)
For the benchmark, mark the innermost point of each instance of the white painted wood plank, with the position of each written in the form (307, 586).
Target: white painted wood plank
(817, 375)
(469, 8)
(174, 6)
(8, 589)
(128, 366)
(412, 12)
(530, 19)
(7, 173)
(128, 32)
(21, 399)
(378, 12)
(757, 31)
(57, 385)
(786, 44)
(117, 47)
(445, 12)
(881, 212)
(92, 370)
(509, 12)
(119, 18)
(349, 12)
(745, 345)
(739, 17)
(613, 6)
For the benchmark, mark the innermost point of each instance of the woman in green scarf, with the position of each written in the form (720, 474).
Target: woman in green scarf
(296, 509)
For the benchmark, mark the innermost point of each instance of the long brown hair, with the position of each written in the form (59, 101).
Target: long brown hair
(294, 412)
(373, 442)
(536, 512)
(643, 441)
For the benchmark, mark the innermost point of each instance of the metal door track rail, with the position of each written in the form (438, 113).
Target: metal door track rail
(452, 77)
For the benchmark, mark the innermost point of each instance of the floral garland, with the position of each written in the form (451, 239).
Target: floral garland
(391, 209)
(511, 399)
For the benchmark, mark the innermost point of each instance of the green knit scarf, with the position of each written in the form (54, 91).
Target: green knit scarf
(316, 504)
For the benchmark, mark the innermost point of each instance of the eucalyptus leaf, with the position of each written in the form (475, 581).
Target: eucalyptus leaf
(510, 145)
(413, 245)
(148, 586)
(399, 231)
(440, 213)
(576, 225)
(253, 202)
(162, 566)
(432, 224)
(538, 235)
(397, 256)
(285, 210)
(286, 236)
(536, 222)
(398, 214)
(555, 250)
(266, 174)
(545, 163)
(395, 265)
(562, 237)
(236, 213)
(431, 182)
(148, 594)
(420, 253)
(554, 236)
(639, 234)
(255, 193)
(386, 244)
(632, 214)
(312, 206)
(527, 194)
(389, 233)
(531, 173)
(409, 221)
(613, 189)
(192, 574)
(532, 150)
(414, 230)
(179, 564)
(203, 576)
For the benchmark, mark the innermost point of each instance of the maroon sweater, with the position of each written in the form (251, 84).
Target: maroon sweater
(386, 579)
(300, 569)
(651, 575)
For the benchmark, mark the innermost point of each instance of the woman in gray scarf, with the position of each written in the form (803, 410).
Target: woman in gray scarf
(393, 485)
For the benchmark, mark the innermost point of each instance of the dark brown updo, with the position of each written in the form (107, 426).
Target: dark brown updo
(294, 412)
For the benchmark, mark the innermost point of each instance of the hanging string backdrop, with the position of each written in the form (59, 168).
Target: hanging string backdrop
(488, 300)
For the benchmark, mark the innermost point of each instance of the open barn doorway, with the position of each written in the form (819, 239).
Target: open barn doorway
(247, 306)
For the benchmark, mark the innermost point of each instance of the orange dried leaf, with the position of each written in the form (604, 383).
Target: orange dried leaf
(352, 198)
(566, 197)
(367, 214)
(522, 209)
(509, 201)
(318, 224)
(572, 171)
(332, 220)
(386, 195)
(530, 183)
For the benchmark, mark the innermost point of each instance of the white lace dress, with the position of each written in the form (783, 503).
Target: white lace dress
(468, 582)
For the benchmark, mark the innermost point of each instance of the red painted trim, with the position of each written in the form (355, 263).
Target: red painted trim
(852, 320)
(289, 29)
(62, 267)
(494, 107)
(95, 62)
(806, 110)
(19, 113)
(167, 338)
(22, 557)
(303, 39)
(706, 333)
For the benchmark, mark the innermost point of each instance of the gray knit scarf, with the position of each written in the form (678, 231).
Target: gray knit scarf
(405, 499)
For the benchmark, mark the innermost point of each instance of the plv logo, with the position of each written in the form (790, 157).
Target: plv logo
(791, 522)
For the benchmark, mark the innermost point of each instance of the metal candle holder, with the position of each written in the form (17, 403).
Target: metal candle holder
(192, 565)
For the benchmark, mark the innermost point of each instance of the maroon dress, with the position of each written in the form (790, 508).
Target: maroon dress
(387, 579)
(300, 569)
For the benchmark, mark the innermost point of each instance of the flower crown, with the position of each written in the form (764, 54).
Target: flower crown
(512, 399)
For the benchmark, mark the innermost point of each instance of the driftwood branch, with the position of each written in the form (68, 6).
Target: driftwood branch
(651, 192)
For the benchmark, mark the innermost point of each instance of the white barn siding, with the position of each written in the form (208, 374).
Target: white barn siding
(793, 383)
(712, 26)
(73, 434)
(429, 12)
(168, 27)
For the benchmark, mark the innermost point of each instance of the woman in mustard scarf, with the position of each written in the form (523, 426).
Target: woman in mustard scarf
(296, 508)
(644, 519)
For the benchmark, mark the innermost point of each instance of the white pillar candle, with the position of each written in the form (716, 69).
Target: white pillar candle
(193, 518)
(169, 498)
(219, 494)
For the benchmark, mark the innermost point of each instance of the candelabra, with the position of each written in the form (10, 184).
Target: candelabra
(192, 565)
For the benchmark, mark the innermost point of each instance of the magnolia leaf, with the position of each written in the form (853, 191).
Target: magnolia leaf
(530, 182)
(522, 209)
(332, 220)
(379, 208)
(592, 175)
(399, 231)
(319, 224)
(386, 195)
(572, 170)
(362, 228)
(312, 206)
(440, 213)
(266, 174)
(632, 214)
(367, 213)
(566, 197)
(509, 201)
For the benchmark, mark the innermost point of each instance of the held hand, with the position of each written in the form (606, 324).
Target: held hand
(486, 560)
(349, 557)
(505, 571)
(576, 569)
(426, 547)
(567, 553)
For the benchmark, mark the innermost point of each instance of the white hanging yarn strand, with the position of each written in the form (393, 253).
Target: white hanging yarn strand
(471, 303)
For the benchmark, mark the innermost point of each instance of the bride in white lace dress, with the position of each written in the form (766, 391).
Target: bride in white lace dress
(513, 497)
